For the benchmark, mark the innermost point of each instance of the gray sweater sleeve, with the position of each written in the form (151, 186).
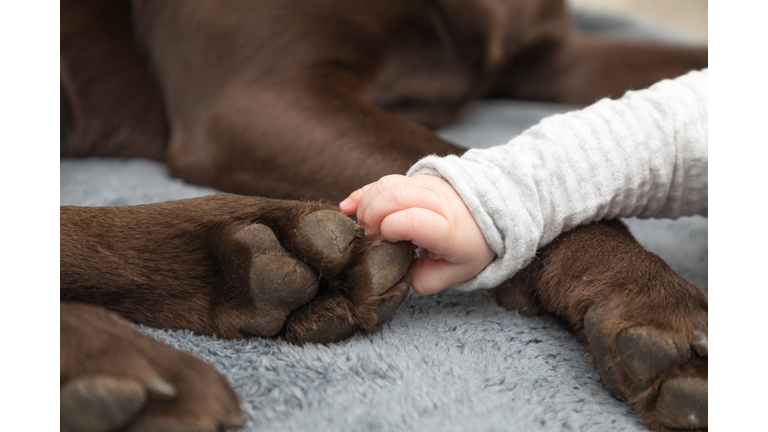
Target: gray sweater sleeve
(642, 155)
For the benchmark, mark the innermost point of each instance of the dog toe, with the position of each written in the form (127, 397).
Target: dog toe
(330, 329)
(378, 282)
(333, 235)
(100, 403)
(278, 281)
(364, 279)
(304, 271)
(235, 421)
(647, 352)
(393, 300)
(387, 264)
(327, 231)
(326, 319)
(682, 403)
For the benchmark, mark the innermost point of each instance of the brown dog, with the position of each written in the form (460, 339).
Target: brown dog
(312, 99)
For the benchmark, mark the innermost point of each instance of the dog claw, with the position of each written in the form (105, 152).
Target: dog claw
(160, 389)
(682, 403)
(647, 352)
(100, 403)
(700, 344)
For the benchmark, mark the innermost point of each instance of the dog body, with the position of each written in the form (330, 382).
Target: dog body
(312, 99)
(252, 97)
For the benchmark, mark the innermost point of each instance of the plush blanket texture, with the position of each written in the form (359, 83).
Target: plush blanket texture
(452, 361)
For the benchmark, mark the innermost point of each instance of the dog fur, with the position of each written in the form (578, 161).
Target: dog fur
(312, 99)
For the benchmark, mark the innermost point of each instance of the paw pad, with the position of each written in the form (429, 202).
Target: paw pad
(647, 352)
(682, 403)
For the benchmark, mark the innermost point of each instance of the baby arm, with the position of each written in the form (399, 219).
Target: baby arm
(642, 155)
(428, 212)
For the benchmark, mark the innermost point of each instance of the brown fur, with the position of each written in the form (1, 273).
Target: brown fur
(176, 264)
(601, 263)
(256, 95)
(98, 343)
(109, 102)
(312, 99)
(182, 265)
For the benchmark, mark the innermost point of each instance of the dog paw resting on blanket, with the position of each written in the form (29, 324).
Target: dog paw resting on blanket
(113, 376)
(224, 264)
(644, 325)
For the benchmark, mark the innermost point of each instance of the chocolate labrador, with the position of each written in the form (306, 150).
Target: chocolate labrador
(312, 99)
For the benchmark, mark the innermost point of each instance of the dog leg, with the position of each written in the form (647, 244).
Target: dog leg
(233, 266)
(316, 140)
(576, 68)
(115, 378)
(110, 105)
(644, 325)
(274, 110)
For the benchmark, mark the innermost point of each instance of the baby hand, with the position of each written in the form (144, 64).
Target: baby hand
(428, 212)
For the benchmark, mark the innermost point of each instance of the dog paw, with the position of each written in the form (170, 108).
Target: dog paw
(115, 378)
(318, 278)
(644, 325)
(663, 373)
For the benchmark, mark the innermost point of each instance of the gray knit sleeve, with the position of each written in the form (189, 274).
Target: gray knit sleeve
(642, 155)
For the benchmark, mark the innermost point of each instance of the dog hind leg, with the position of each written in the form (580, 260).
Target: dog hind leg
(576, 68)
(276, 110)
(113, 377)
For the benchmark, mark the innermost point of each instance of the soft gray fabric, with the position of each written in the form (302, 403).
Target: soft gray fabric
(452, 361)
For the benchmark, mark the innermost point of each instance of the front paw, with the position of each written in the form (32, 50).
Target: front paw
(318, 278)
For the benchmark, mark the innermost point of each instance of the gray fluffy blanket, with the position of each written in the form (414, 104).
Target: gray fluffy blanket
(450, 362)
